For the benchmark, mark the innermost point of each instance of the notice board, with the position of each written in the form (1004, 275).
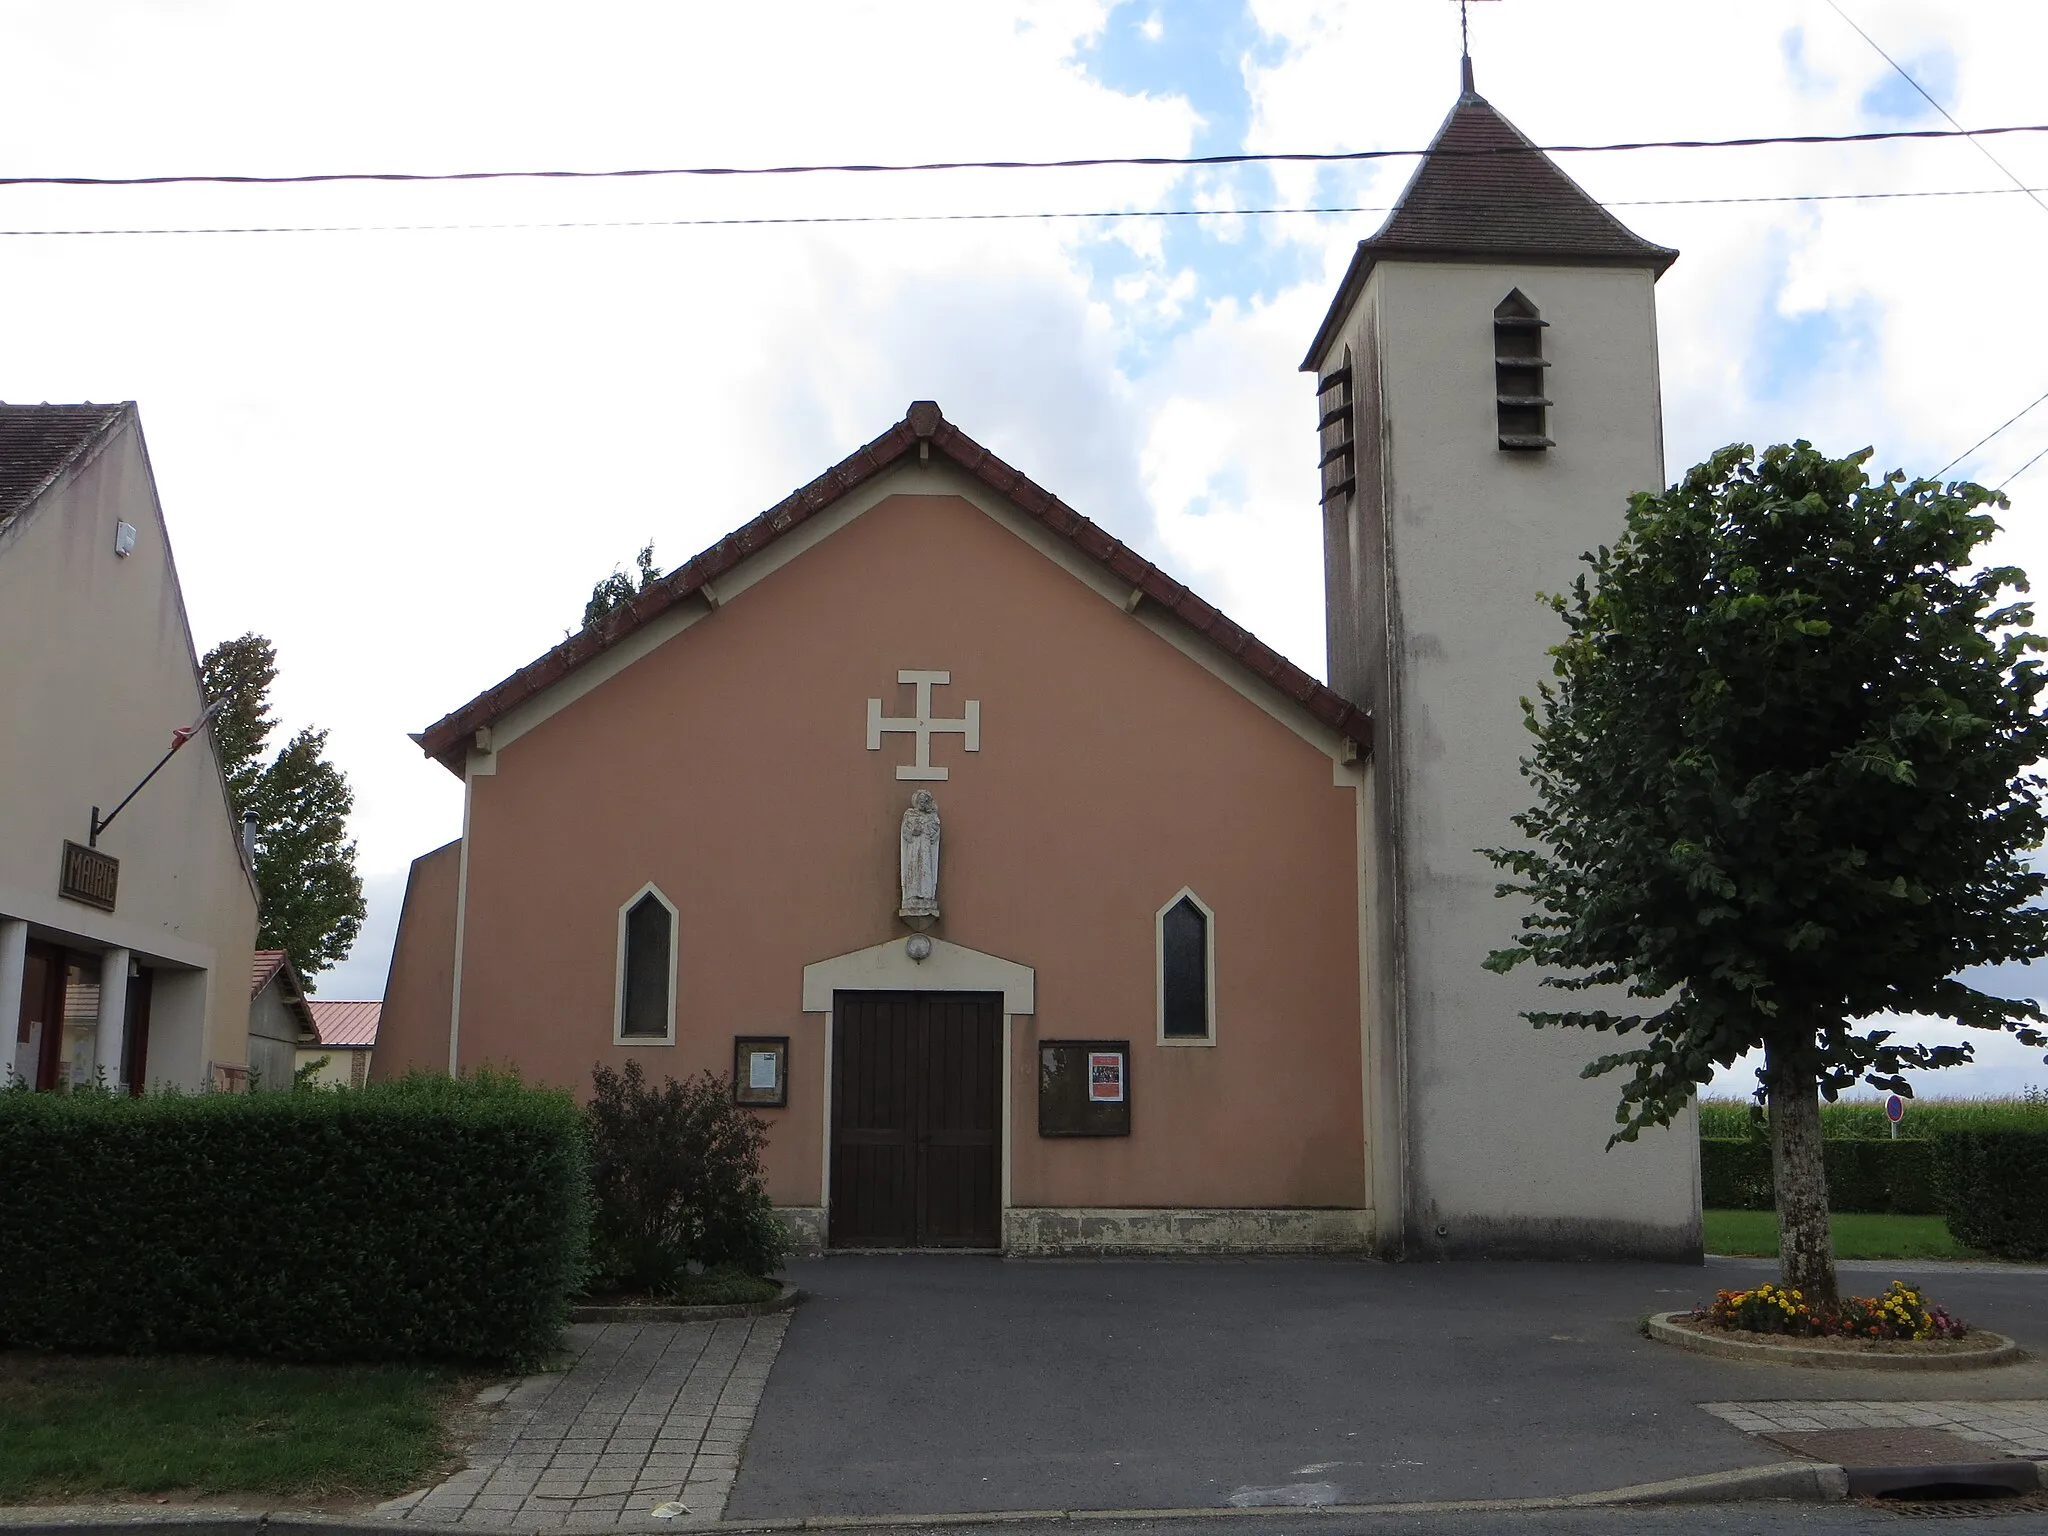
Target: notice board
(1084, 1088)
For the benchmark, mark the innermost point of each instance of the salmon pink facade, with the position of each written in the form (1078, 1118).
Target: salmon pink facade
(1124, 760)
(1203, 968)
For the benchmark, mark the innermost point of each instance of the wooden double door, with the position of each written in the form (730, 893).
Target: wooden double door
(917, 1120)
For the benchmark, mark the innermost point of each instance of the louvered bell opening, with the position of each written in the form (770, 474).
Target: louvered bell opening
(1521, 403)
(1336, 432)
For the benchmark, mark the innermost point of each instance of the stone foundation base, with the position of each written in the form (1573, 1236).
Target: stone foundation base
(1053, 1231)
(805, 1225)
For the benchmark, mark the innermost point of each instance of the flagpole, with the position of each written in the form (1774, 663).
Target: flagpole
(178, 739)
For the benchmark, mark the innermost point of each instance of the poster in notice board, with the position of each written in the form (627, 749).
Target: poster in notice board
(1084, 1088)
(760, 1071)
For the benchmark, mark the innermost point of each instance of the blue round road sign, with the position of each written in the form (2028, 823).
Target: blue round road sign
(1894, 1108)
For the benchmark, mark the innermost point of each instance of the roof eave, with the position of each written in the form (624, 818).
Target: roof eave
(81, 453)
(1656, 258)
(925, 428)
(446, 740)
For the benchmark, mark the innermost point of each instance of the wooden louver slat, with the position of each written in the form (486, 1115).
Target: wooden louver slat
(1337, 431)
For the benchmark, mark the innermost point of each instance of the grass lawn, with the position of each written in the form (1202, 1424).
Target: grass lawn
(1857, 1236)
(72, 1426)
(711, 1288)
(724, 1288)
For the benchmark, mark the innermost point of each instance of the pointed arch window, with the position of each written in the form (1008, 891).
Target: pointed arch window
(1186, 942)
(1521, 399)
(646, 1007)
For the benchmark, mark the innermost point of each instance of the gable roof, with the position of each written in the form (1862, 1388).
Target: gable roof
(275, 965)
(923, 430)
(39, 442)
(263, 965)
(1484, 190)
(346, 1025)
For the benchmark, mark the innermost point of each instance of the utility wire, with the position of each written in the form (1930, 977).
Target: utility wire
(1952, 463)
(2031, 192)
(1944, 111)
(933, 218)
(1306, 157)
(2037, 458)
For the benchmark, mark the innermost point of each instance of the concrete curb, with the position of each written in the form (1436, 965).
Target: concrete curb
(1798, 1481)
(1895, 1266)
(655, 1314)
(1663, 1327)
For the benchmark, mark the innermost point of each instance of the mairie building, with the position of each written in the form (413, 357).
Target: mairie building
(1034, 904)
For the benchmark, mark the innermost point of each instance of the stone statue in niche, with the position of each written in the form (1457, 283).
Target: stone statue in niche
(918, 861)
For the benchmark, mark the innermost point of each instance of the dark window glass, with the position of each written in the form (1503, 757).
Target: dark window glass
(1184, 940)
(644, 1010)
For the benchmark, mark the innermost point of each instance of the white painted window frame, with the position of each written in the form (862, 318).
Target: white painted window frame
(619, 1035)
(1185, 893)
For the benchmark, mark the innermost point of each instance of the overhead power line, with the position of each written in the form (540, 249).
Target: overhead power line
(2023, 410)
(933, 218)
(1900, 69)
(1330, 157)
(2037, 458)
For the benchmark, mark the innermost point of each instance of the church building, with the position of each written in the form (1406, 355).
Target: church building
(1034, 904)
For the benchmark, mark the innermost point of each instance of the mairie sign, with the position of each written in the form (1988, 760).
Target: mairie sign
(89, 876)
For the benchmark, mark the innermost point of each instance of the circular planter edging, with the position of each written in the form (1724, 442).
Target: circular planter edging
(1998, 1350)
(662, 1314)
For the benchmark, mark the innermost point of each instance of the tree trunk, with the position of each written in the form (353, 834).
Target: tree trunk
(1806, 1252)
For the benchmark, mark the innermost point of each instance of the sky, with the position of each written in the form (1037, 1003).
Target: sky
(405, 453)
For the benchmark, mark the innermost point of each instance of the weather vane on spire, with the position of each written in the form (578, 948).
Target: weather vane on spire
(1465, 42)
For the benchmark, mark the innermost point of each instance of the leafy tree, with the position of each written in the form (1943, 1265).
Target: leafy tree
(311, 899)
(240, 673)
(1784, 785)
(617, 589)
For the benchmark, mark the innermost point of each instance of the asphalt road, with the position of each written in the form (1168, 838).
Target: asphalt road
(1693, 1520)
(930, 1384)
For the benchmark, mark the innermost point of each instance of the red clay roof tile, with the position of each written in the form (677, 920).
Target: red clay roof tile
(263, 965)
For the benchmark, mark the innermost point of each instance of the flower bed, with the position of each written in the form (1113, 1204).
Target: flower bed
(1900, 1314)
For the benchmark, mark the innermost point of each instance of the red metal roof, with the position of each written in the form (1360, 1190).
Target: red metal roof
(346, 1024)
(447, 740)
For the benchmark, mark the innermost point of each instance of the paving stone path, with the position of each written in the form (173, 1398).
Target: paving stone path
(2018, 1427)
(648, 1414)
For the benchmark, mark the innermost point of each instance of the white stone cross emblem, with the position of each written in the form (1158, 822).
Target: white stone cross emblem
(923, 725)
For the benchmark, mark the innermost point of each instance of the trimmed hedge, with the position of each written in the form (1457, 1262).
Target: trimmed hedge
(1864, 1119)
(1887, 1176)
(421, 1219)
(1735, 1175)
(1993, 1189)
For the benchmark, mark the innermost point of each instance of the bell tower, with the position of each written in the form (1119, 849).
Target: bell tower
(1486, 402)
